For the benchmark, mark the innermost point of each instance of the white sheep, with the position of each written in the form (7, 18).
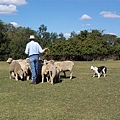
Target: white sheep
(65, 66)
(26, 68)
(50, 70)
(54, 72)
(24, 65)
(10, 60)
(15, 70)
(44, 70)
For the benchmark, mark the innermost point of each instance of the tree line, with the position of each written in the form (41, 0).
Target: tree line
(86, 45)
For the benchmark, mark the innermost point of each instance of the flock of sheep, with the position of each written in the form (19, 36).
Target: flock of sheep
(50, 70)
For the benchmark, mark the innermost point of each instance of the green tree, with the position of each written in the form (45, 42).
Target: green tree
(61, 36)
(4, 42)
(43, 36)
(18, 40)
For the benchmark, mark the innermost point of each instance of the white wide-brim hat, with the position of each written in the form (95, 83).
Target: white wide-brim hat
(32, 37)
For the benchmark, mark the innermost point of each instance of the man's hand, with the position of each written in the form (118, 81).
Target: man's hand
(45, 49)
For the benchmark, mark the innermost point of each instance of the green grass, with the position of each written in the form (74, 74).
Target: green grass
(82, 98)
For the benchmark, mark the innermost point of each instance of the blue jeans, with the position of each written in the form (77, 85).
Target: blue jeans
(34, 64)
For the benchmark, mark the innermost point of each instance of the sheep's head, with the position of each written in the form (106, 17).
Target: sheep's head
(45, 62)
(9, 60)
(52, 61)
(27, 60)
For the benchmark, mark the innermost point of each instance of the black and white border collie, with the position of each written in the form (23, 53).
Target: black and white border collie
(102, 70)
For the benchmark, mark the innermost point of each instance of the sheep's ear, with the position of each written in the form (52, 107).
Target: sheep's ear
(52, 61)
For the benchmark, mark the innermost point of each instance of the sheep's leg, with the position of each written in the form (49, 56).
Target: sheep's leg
(51, 80)
(64, 73)
(42, 78)
(16, 77)
(51, 77)
(21, 77)
(12, 75)
(24, 76)
(71, 75)
(47, 79)
(58, 77)
(28, 77)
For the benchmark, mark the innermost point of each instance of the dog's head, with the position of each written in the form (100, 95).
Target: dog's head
(92, 68)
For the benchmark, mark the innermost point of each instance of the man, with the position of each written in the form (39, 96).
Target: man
(33, 49)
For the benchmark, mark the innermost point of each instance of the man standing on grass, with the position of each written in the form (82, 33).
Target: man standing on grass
(33, 49)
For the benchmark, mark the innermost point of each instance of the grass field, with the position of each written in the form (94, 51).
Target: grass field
(82, 98)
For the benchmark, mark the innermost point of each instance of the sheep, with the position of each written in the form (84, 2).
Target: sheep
(65, 66)
(49, 69)
(10, 60)
(27, 72)
(26, 68)
(44, 70)
(15, 70)
(54, 72)
(24, 65)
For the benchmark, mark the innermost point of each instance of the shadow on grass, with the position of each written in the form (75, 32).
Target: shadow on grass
(39, 80)
(67, 77)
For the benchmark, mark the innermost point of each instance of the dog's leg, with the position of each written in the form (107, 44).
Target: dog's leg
(98, 75)
(94, 75)
(104, 75)
(104, 72)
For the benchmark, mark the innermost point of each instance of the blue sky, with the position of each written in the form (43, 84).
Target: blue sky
(63, 16)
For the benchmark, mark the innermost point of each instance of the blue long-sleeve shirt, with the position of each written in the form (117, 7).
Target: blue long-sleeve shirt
(33, 48)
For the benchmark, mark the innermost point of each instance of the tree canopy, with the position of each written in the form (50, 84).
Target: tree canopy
(87, 45)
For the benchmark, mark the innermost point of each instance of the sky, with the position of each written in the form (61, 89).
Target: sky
(63, 16)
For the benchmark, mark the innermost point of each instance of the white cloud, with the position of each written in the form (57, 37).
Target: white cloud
(111, 33)
(10, 9)
(109, 14)
(9, 6)
(14, 24)
(85, 17)
(67, 34)
(13, 2)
